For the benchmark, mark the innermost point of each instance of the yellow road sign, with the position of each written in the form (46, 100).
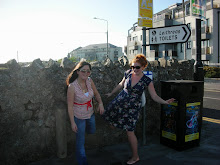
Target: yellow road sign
(145, 8)
(144, 22)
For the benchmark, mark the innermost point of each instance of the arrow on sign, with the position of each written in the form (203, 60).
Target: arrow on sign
(172, 34)
(185, 33)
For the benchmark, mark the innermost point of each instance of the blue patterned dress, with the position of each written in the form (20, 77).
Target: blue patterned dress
(123, 111)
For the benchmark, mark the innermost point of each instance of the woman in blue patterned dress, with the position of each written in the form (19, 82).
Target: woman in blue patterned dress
(123, 111)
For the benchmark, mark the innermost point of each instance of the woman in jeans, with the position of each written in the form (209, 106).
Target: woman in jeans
(81, 90)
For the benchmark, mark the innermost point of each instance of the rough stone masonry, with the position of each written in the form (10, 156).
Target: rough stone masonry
(33, 112)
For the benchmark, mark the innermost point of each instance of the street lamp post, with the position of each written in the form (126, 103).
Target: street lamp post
(106, 32)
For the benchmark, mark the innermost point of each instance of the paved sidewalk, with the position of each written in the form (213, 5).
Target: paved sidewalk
(212, 83)
(154, 153)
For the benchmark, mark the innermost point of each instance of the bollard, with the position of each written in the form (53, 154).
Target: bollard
(144, 119)
(61, 140)
(150, 75)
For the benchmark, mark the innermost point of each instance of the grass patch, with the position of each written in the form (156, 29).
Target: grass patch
(211, 72)
(3, 68)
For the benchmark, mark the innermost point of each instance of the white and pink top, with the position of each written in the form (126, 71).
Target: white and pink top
(82, 106)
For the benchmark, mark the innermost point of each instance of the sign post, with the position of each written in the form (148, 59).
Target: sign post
(198, 66)
(145, 14)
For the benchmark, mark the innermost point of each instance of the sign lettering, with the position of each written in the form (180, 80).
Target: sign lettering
(146, 8)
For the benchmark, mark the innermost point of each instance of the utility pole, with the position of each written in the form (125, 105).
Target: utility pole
(17, 57)
(184, 22)
(144, 110)
(106, 33)
(144, 40)
(198, 66)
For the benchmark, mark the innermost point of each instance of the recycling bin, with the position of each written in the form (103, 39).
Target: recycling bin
(181, 121)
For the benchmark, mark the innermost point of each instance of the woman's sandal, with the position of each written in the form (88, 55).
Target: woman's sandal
(131, 161)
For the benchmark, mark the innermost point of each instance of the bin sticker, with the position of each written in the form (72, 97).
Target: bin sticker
(192, 125)
(191, 137)
(169, 135)
(169, 113)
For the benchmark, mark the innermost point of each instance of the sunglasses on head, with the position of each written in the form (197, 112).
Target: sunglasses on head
(135, 67)
(85, 71)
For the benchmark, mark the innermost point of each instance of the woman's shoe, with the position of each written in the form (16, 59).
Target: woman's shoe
(131, 161)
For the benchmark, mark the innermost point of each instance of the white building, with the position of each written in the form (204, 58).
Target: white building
(173, 15)
(97, 52)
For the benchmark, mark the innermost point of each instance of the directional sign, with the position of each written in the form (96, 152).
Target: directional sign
(172, 34)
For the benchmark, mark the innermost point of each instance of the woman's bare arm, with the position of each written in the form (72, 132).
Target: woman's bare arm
(157, 98)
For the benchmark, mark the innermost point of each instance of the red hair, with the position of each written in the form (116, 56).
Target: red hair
(141, 59)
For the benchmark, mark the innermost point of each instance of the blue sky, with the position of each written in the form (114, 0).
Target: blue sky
(49, 29)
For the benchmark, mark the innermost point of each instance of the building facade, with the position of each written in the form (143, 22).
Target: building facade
(174, 15)
(97, 52)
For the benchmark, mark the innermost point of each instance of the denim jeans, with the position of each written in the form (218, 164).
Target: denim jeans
(83, 125)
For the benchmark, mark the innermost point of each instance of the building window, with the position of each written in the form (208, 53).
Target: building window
(181, 47)
(203, 23)
(189, 25)
(187, 9)
(207, 22)
(141, 37)
(207, 43)
(177, 13)
(135, 38)
(203, 44)
(188, 45)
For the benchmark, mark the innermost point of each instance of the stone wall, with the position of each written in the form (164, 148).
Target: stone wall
(33, 110)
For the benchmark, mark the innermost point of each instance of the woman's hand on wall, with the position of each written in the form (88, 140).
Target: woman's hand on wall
(101, 109)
